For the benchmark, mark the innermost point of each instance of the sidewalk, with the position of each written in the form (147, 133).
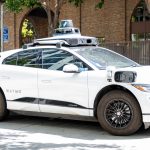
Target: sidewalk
(30, 133)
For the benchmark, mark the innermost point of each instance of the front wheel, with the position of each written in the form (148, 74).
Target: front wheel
(119, 113)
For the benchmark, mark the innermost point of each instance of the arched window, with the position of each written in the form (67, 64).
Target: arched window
(140, 23)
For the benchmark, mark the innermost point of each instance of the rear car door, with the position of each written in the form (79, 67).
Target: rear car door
(18, 77)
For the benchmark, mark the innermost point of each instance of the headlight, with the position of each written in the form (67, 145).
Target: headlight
(142, 87)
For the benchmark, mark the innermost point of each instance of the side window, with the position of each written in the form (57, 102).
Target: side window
(11, 60)
(56, 59)
(28, 58)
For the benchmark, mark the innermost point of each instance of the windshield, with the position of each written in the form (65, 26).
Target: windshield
(101, 58)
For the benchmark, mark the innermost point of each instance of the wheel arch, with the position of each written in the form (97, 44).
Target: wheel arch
(107, 89)
(3, 93)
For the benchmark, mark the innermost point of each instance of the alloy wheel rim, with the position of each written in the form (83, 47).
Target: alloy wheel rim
(118, 113)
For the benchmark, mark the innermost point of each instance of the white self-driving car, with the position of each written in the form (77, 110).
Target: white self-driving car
(71, 77)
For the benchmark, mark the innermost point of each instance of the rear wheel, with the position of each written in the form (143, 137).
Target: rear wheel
(3, 108)
(119, 113)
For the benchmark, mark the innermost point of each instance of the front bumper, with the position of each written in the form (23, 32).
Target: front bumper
(146, 120)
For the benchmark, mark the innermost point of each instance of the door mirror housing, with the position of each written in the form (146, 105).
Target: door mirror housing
(71, 68)
(125, 76)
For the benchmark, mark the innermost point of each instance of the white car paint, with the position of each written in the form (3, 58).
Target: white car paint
(78, 90)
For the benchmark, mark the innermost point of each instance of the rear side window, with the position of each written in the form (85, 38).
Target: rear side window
(27, 58)
(11, 60)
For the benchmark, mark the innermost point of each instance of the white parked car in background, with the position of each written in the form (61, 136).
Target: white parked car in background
(71, 77)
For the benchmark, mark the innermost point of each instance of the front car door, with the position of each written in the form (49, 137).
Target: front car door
(60, 92)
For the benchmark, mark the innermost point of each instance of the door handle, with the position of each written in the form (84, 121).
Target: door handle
(5, 77)
(46, 81)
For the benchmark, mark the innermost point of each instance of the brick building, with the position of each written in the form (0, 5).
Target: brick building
(117, 21)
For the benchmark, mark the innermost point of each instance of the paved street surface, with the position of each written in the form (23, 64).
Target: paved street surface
(33, 133)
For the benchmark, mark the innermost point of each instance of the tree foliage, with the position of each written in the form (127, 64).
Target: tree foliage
(18, 5)
(100, 4)
(78, 2)
(27, 29)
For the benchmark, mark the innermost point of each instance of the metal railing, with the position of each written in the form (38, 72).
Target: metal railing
(137, 51)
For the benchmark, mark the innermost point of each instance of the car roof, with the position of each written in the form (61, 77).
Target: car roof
(70, 36)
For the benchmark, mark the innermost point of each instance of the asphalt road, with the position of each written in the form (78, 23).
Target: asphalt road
(33, 133)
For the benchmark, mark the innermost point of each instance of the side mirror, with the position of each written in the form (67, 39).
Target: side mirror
(125, 76)
(71, 68)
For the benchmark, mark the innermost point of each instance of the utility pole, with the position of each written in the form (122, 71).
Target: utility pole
(2, 21)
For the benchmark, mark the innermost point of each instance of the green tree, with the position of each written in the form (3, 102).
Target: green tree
(27, 29)
(18, 5)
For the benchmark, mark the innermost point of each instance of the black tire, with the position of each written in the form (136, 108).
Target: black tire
(3, 108)
(119, 113)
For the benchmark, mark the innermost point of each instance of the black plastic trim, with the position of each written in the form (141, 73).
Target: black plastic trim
(48, 102)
